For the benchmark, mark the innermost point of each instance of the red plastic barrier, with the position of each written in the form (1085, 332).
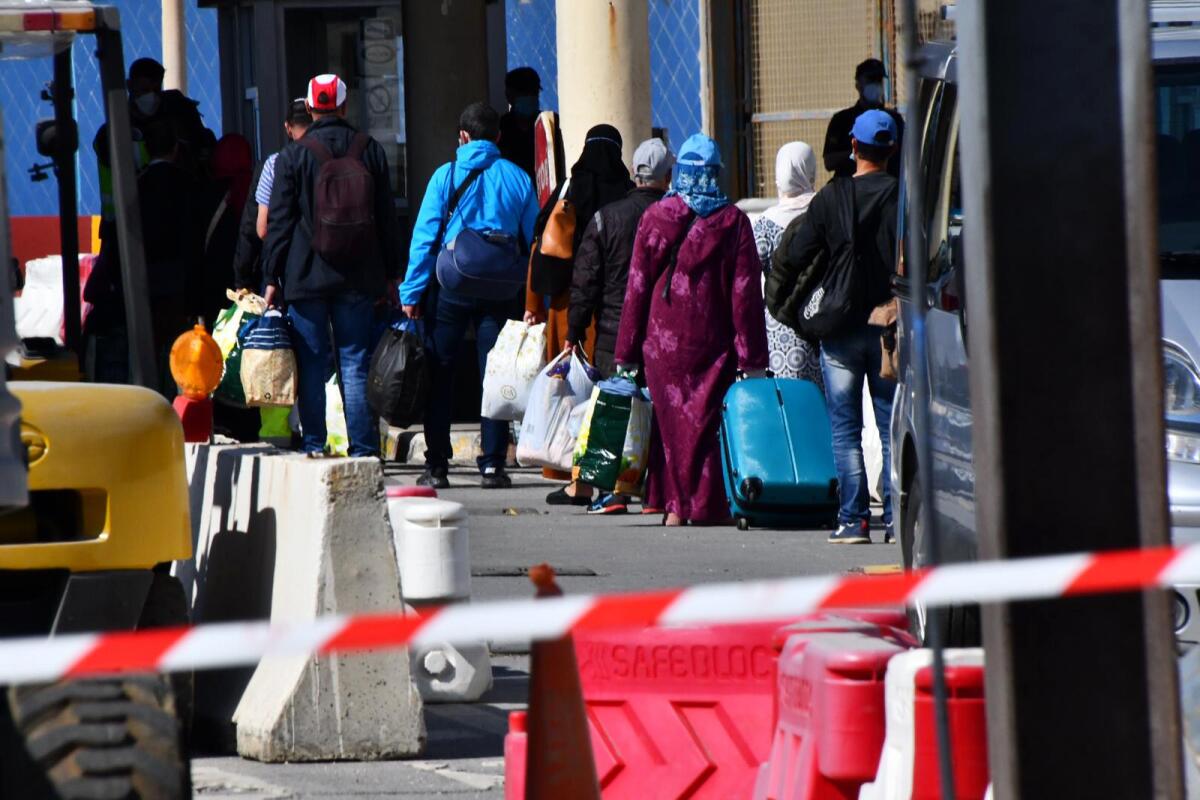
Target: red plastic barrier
(682, 712)
(968, 735)
(516, 746)
(685, 711)
(830, 730)
(396, 490)
(883, 621)
(891, 624)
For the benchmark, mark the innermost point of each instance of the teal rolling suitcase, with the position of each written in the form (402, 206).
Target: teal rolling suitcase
(777, 454)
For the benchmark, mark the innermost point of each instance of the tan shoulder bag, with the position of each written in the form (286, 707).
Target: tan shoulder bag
(558, 237)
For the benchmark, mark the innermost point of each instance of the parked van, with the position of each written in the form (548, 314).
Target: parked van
(935, 117)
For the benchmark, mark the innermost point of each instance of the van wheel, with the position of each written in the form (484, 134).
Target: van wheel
(743, 524)
(960, 624)
(93, 739)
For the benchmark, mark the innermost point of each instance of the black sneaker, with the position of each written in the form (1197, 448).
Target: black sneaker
(559, 497)
(851, 533)
(495, 478)
(434, 478)
(889, 533)
(609, 504)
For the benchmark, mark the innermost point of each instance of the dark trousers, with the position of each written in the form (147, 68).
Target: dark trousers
(347, 317)
(447, 318)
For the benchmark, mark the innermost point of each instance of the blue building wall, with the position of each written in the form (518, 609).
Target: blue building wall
(674, 58)
(21, 83)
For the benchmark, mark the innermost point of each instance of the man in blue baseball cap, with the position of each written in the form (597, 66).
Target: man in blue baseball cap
(868, 80)
(850, 228)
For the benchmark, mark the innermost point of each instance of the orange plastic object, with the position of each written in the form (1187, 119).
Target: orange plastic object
(196, 363)
(558, 753)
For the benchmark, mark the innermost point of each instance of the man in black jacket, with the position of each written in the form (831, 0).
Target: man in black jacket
(602, 263)
(851, 354)
(868, 80)
(601, 272)
(322, 295)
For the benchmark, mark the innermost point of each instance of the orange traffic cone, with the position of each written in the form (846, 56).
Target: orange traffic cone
(559, 762)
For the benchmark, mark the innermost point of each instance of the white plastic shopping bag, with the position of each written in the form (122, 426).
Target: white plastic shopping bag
(337, 440)
(558, 401)
(512, 366)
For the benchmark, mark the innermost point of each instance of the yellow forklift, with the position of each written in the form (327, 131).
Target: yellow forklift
(93, 491)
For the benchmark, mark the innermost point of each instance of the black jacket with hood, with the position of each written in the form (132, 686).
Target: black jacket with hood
(602, 268)
(288, 258)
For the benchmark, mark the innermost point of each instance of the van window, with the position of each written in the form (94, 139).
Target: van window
(1177, 92)
(941, 181)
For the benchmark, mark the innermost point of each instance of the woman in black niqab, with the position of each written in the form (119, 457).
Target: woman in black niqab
(598, 178)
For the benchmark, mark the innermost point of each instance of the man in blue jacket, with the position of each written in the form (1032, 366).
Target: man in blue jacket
(500, 198)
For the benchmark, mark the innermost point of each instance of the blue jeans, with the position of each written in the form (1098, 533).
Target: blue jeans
(446, 322)
(348, 316)
(845, 361)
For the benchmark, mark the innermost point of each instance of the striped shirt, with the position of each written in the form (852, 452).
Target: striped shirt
(262, 194)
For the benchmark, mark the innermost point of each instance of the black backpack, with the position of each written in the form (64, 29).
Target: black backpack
(343, 203)
(398, 381)
(838, 298)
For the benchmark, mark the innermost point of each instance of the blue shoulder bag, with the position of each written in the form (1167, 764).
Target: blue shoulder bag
(487, 265)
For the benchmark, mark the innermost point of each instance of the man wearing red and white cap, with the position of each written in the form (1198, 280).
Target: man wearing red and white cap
(332, 267)
(326, 93)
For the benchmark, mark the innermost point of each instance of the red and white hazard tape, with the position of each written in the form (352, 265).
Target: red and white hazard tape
(240, 643)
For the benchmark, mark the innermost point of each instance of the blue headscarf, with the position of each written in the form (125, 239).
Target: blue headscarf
(696, 173)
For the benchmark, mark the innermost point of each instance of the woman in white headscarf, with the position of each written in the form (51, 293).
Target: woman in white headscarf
(795, 178)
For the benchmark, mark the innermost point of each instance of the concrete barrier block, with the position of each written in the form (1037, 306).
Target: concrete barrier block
(283, 537)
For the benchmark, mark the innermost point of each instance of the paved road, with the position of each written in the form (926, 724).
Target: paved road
(510, 530)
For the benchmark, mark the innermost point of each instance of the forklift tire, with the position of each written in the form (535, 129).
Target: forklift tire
(166, 606)
(95, 739)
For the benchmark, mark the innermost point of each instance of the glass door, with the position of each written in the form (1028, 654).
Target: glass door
(365, 47)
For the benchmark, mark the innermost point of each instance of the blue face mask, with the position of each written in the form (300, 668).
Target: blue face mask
(872, 94)
(526, 105)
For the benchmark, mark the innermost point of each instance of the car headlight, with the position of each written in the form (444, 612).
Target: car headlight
(1181, 383)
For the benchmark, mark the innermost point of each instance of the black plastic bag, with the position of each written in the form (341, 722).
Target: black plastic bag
(398, 382)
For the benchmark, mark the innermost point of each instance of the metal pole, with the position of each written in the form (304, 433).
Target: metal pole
(916, 266)
(68, 204)
(174, 45)
(1061, 271)
(128, 215)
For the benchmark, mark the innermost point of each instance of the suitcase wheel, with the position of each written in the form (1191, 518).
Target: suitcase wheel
(743, 523)
(752, 489)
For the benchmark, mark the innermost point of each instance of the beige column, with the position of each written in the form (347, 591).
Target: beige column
(174, 46)
(603, 70)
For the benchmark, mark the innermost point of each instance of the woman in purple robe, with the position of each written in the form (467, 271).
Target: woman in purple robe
(693, 318)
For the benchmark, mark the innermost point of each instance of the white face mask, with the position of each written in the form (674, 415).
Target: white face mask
(872, 94)
(147, 104)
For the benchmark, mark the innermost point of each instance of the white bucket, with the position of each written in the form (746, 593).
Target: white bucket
(433, 552)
